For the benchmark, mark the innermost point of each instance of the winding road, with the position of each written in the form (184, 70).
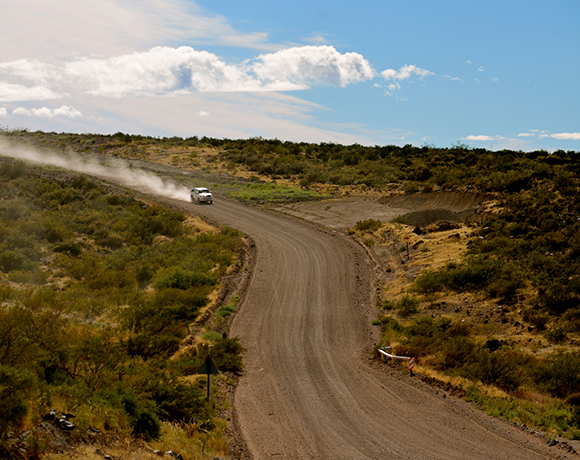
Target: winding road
(308, 391)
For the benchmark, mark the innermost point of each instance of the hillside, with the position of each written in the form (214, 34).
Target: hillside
(98, 319)
(486, 295)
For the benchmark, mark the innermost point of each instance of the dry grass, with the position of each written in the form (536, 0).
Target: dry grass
(187, 440)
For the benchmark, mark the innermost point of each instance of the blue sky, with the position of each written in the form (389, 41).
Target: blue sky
(493, 74)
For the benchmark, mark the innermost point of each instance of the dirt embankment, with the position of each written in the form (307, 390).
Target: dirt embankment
(418, 209)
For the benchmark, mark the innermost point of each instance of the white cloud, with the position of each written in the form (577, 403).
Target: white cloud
(32, 71)
(301, 67)
(161, 70)
(3, 112)
(169, 71)
(15, 92)
(317, 40)
(404, 73)
(543, 134)
(563, 136)
(37, 28)
(67, 111)
(44, 112)
(203, 113)
(480, 137)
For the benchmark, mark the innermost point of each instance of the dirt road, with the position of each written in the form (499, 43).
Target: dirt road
(309, 391)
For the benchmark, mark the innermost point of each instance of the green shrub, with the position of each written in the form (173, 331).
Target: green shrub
(411, 187)
(457, 352)
(226, 310)
(16, 389)
(559, 375)
(408, 305)
(556, 334)
(158, 345)
(212, 336)
(538, 319)
(183, 279)
(430, 282)
(494, 369)
(144, 421)
(388, 305)
(370, 225)
(146, 425)
(181, 402)
(225, 353)
(228, 354)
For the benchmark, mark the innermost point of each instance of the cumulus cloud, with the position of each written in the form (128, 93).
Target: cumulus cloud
(301, 67)
(161, 70)
(66, 111)
(170, 71)
(3, 112)
(480, 137)
(405, 72)
(563, 136)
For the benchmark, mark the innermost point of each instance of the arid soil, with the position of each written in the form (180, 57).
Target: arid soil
(418, 209)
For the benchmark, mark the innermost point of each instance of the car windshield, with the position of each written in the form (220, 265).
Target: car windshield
(202, 190)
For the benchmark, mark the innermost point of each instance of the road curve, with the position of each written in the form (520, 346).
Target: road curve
(308, 391)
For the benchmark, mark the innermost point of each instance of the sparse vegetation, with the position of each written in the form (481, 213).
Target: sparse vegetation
(522, 260)
(96, 296)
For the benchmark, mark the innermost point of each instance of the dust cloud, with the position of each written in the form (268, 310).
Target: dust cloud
(115, 170)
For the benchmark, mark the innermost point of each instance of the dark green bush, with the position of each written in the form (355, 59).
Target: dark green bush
(182, 402)
(537, 318)
(184, 279)
(226, 354)
(368, 225)
(144, 421)
(494, 369)
(457, 352)
(556, 334)
(430, 282)
(408, 305)
(559, 375)
(16, 388)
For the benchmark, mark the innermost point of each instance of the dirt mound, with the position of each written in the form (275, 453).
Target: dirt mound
(418, 209)
(428, 208)
(429, 216)
(452, 201)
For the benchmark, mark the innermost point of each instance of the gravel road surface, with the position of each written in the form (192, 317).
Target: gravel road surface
(309, 390)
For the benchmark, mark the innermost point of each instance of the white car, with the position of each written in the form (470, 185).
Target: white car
(201, 195)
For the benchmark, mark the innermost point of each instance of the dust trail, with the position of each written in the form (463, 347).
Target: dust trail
(116, 170)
